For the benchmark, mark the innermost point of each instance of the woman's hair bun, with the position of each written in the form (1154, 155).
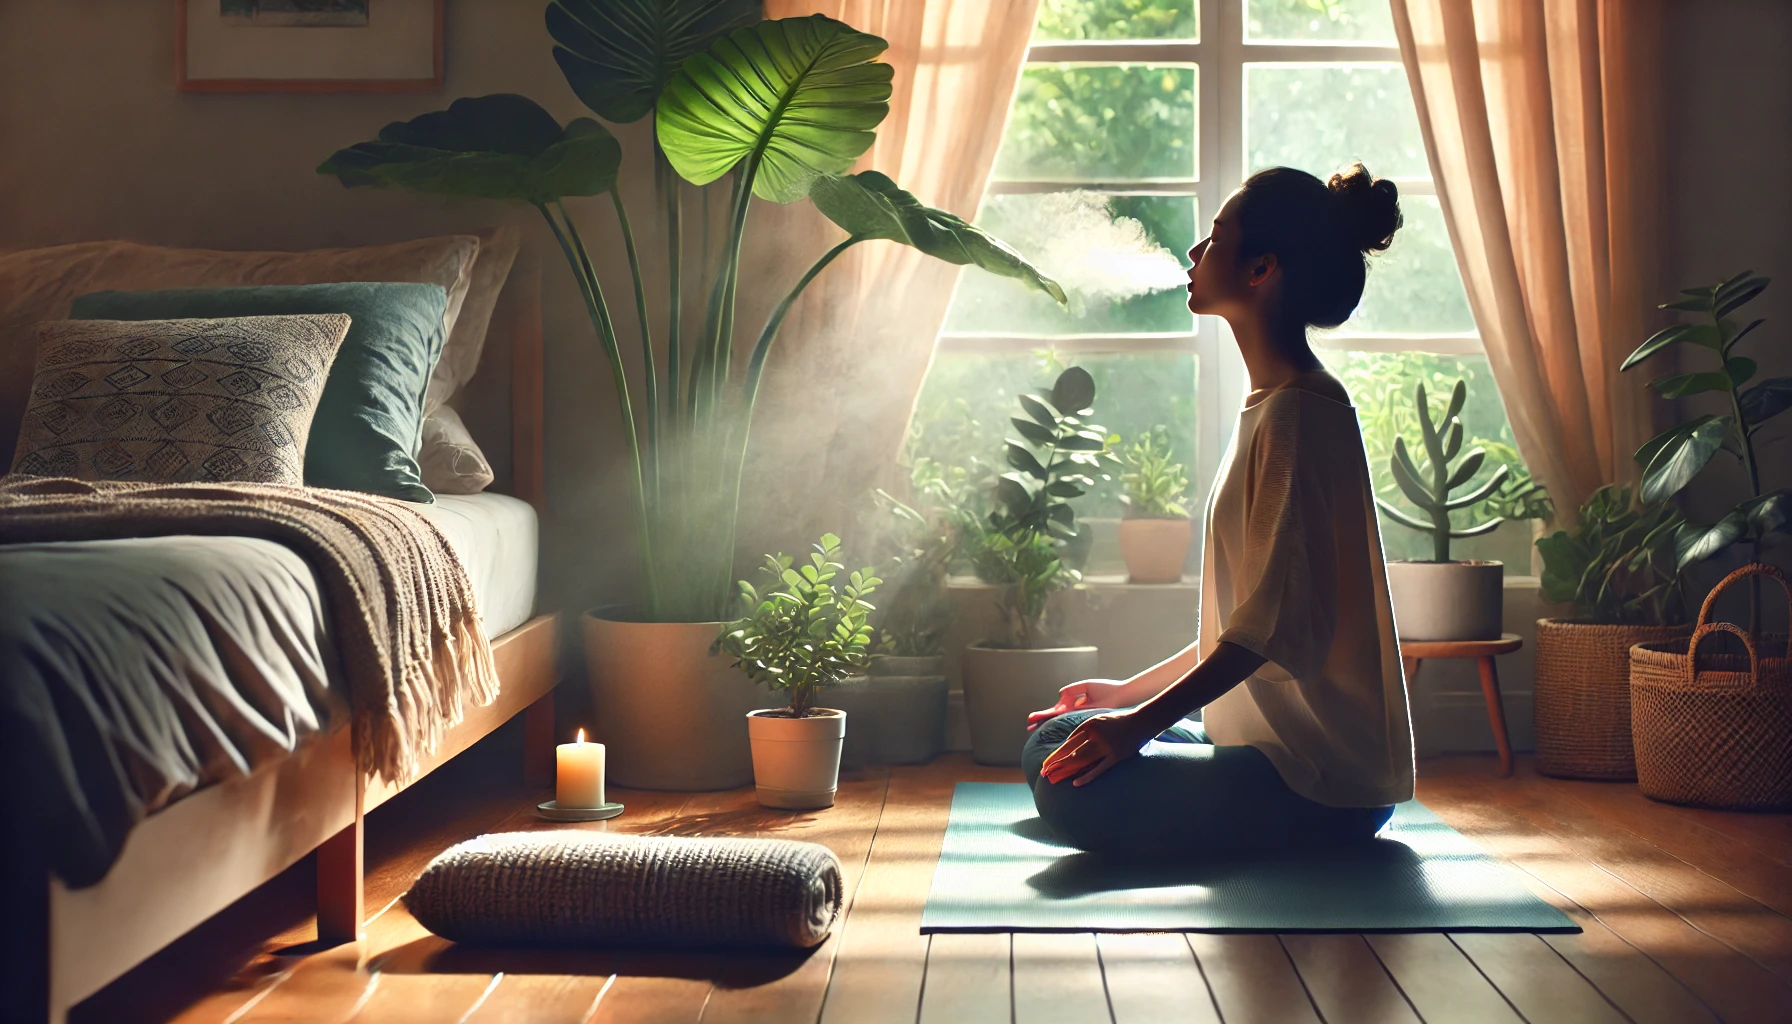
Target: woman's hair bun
(1368, 208)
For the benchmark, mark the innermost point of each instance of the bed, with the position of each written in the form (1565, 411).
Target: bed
(280, 781)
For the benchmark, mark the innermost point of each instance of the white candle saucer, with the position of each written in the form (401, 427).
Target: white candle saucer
(552, 811)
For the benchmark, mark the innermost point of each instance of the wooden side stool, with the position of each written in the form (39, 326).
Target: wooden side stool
(1416, 652)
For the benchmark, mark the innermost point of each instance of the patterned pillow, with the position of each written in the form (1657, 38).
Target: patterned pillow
(177, 400)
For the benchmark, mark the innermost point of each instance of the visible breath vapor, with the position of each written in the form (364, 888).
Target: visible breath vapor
(1076, 239)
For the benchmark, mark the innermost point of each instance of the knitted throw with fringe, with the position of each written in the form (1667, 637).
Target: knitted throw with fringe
(399, 602)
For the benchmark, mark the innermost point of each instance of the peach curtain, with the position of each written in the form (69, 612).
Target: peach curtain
(1541, 121)
(850, 359)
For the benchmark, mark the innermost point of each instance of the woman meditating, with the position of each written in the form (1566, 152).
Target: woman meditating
(1305, 740)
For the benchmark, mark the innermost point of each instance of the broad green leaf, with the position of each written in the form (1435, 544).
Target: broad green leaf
(1694, 305)
(619, 54)
(870, 205)
(1696, 334)
(793, 99)
(1769, 514)
(1074, 390)
(1682, 457)
(1013, 495)
(1648, 449)
(1022, 459)
(1064, 489)
(1043, 414)
(1032, 431)
(1681, 385)
(1739, 335)
(1082, 443)
(1766, 400)
(1741, 370)
(1694, 543)
(1730, 298)
(490, 147)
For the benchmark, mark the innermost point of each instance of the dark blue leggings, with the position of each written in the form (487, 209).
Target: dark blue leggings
(1183, 796)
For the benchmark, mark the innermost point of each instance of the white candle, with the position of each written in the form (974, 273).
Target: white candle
(579, 778)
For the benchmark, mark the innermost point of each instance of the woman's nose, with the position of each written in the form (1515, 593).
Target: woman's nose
(1194, 255)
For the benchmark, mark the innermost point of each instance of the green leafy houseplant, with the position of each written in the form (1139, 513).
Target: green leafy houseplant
(803, 99)
(1617, 566)
(1673, 458)
(1429, 484)
(1155, 485)
(917, 611)
(1052, 462)
(806, 629)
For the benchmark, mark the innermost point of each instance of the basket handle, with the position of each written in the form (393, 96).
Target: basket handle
(1709, 628)
(1751, 569)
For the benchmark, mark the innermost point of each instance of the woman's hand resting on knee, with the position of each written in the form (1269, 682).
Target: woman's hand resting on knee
(1089, 693)
(1096, 745)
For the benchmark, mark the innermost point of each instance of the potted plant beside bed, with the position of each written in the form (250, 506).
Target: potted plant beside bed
(667, 708)
(1020, 548)
(1441, 599)
(1155, 530)
(808, 629)
(1616, 569)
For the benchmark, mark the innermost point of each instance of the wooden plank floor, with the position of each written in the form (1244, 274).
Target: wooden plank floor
(1685, 915)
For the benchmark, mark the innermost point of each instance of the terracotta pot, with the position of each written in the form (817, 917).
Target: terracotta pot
(1003, 685)
(668, 711)
(1155, 549)
(1447, 600)
(796, 761)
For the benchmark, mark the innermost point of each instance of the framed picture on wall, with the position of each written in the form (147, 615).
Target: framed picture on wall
(308, 45)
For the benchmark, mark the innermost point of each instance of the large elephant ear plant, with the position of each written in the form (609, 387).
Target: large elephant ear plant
(782, 109)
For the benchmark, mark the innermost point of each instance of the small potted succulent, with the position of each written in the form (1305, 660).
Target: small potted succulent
(1155, 531)
(808, 629)
(1020, 548)
(1441, 599)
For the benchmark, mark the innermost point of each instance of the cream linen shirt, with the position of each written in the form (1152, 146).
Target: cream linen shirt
(1293, 570)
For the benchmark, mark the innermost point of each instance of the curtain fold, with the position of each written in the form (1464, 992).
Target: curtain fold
(850, 359)
(1541, 122)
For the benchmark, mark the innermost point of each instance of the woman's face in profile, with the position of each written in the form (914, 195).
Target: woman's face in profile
(1216, 280)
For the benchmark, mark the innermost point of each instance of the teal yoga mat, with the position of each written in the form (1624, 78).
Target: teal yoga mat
(1000, 870)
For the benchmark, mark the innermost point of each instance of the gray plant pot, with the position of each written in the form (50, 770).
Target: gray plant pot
(672, 715)
(1447, 600)
(1003, 685)
(896, 718)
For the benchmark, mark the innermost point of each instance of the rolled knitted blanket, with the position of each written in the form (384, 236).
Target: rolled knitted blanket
(589, 888)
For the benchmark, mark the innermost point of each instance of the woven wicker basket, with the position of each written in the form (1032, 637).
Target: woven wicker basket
(1715, 730)
(1582, 696)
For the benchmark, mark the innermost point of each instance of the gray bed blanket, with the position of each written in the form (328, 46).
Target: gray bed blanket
(157, 638)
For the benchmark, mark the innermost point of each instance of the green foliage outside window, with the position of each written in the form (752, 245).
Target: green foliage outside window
(1107, 122)
(1327, 21)
(1116, 19)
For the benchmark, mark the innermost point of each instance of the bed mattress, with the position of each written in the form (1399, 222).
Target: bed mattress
(136, 671)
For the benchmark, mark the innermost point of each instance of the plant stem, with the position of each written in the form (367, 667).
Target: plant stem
(599, 312)
(675, 276)
(1747, 444)
(647, 357)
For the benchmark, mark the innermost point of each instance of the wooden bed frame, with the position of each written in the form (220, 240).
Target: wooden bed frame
(192, 859)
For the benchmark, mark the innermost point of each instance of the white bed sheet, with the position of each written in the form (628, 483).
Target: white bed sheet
(497, 539)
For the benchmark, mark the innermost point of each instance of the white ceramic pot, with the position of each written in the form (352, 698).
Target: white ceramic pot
(1447, 600)
(668, 710)
(1003, 685)
(796, 761)
(1155, 549)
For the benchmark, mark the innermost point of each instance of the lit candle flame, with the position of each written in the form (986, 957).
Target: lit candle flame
(581, 735)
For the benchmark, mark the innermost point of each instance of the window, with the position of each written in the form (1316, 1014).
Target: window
(1134, 119)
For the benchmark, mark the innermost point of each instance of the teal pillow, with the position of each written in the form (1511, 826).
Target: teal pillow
(369, 422)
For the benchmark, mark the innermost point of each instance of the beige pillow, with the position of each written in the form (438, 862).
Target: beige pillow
(451, 462)
(177, 400)
(40, 284)
(466, 342)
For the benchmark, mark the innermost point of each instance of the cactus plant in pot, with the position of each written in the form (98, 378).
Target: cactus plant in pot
(1155, 530)
(810, 628)
(1019, 547)
(1441, 599)
(1615, 568)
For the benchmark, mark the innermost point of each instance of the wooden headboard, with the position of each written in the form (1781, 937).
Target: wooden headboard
(502, 405)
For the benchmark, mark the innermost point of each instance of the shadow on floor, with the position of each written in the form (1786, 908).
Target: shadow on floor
(732, 968)
(1379, 865)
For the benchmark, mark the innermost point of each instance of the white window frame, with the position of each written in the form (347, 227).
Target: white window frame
(1220, 54)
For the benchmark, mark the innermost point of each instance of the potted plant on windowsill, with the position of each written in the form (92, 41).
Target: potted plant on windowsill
(667, 708)
(1443, 599)
(1616, 568)
(1155, 531)
(807, 630)
(1020, 548)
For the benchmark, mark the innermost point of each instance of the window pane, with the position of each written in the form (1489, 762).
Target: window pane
(961, 417)
(1100, 122)
(1320, 21)
(1381, 386)
(1121, 259)
(1319, 117)
(1414, 287)
(1117, 19)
